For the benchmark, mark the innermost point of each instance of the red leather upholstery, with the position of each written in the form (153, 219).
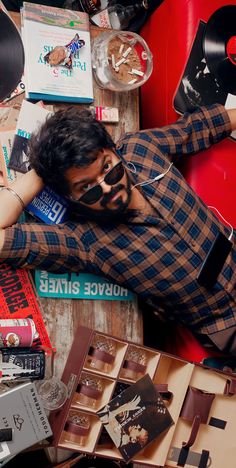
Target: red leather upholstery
(170, 32)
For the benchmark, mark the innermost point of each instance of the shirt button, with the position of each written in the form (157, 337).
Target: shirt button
(173, 222)
(193, 243)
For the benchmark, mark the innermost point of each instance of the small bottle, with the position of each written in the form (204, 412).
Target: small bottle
(89, 6)
(135, 363)
(77, 428)
(102, 353)
(89, 391)
(117, 16)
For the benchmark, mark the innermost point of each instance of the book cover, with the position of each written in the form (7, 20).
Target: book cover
(79, 286)
(50, 207)
(22, 410)
(44, 28)
(30, 117)
(18, 300)
(135, 417)
(197, 86)
(6, 143)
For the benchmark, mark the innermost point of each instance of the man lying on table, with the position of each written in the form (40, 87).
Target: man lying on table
(136, 220)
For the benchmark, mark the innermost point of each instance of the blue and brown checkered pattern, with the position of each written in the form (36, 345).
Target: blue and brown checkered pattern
(158, 255)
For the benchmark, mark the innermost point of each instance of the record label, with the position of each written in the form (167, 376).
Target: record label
(231, 50)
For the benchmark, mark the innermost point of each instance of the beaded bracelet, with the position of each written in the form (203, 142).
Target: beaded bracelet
(9, 189)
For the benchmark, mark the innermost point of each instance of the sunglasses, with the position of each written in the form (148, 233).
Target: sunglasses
(112, 177)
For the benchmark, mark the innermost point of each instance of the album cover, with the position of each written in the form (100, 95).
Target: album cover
(198, 87)
(135, 417)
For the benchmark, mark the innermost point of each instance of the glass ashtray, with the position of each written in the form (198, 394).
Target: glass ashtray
(121, 60)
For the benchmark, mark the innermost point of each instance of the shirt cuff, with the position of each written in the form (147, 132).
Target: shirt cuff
(218, 121)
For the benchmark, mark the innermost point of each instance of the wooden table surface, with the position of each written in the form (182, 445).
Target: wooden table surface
(119, 318)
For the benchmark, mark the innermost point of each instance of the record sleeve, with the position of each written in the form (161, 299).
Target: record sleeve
(136, 417)
(198, 86)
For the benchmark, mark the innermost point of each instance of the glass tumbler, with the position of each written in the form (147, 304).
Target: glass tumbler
(135, 363)
(77, 428)
(89, 390)
(102, 353)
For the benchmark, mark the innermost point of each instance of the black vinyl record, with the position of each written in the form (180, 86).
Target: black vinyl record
(219, 46)
(11, 56)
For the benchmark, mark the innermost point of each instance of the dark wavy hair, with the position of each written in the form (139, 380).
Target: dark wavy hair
(70, 137)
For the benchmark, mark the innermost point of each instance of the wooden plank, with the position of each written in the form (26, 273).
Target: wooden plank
(118, 318)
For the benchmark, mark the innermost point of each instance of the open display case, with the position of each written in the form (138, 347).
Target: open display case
(200, 400)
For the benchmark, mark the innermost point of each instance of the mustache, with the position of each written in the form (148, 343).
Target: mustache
(108, 196)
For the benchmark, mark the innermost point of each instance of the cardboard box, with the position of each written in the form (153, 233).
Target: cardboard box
(215, 438)
(21, 410)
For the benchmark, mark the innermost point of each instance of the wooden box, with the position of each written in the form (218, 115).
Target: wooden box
(215, 443)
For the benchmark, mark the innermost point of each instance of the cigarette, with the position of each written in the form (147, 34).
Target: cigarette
(127, 52)
(122, 60)
(113, 61)
(132, 81)
(137, 72)
(121, 48)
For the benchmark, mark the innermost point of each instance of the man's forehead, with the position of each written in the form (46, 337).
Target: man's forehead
(75, 174)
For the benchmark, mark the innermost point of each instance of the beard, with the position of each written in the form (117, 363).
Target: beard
(106, 214)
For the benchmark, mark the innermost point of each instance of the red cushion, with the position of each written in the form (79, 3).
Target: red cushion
(182, 343)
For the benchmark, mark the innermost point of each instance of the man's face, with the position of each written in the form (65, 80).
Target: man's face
(112, 198)
(135, 432)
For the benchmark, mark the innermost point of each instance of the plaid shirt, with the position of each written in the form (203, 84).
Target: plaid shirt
(157, 255)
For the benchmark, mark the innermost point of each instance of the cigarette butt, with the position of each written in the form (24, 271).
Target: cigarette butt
(122, 60)
(137, 72)
(132, 81)
(127, 52)
(121, 48)
(113, 61)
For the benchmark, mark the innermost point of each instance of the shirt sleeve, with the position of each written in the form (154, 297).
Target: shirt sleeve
(55, 248)
(191, 133)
